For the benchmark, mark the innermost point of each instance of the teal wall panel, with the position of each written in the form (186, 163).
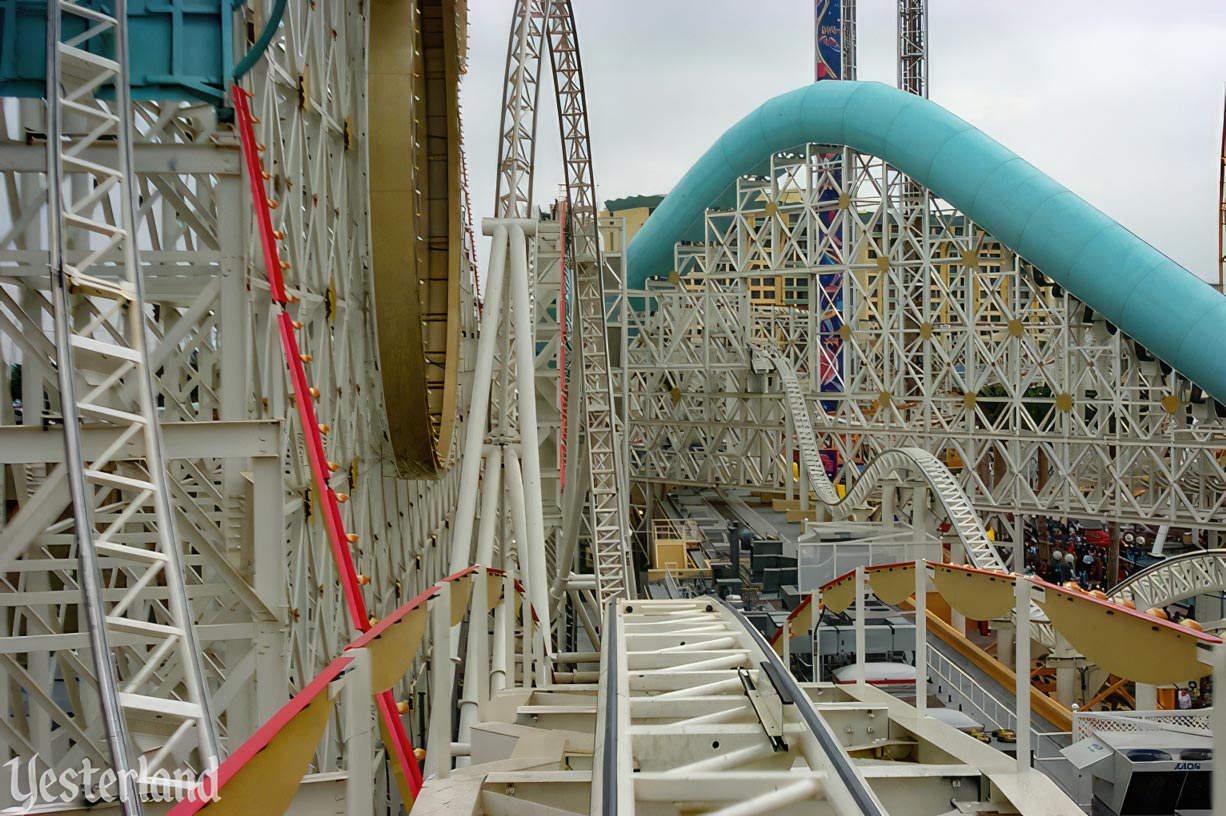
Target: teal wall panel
(179, 49)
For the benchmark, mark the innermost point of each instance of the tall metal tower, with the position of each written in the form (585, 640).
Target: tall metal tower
(913, 46)
(849, 40)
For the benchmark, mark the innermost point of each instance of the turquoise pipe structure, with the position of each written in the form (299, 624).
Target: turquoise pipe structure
(1168, 310)
(261, 42)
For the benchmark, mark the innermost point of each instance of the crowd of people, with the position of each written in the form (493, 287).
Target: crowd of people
(1062, 550)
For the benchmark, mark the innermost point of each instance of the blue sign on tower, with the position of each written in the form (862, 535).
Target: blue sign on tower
(828, 297)
(828, 31)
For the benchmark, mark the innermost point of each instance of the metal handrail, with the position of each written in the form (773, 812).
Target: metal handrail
(958, 678)
(983, 700)
(1045, 763)
(670, 583)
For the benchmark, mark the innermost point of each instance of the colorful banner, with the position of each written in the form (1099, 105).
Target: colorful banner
(828, 297)
(828, 32)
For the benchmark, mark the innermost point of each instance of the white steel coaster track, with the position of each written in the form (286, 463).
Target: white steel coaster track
(678, 676)
(607, 504)
(537, 24)
(1174, 579)
(122, 508)
(980, 550)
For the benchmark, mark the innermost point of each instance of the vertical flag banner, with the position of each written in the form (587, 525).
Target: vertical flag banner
(828, 297)
(828, 33)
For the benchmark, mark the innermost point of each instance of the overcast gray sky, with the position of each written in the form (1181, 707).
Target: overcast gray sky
(1120, 101)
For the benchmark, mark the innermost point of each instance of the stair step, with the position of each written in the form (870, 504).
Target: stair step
(105, 349)
(132, 626)
(130, 553)
(110, 414)
(115, 480)
(91, 286)
(157, 705)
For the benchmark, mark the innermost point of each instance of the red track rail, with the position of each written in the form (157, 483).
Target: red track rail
(264, 735)
(313, 431)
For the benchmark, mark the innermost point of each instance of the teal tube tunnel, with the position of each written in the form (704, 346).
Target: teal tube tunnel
(1164, 307)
